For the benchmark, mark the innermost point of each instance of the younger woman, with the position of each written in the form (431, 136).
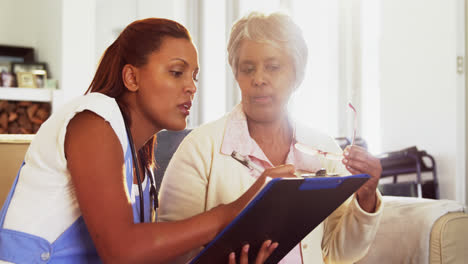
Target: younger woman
(85, 192)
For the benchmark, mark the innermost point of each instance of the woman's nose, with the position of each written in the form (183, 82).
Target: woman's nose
(259, 78)
(191, 88)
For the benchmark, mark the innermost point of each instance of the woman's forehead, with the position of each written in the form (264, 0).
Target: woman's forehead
(176, 48)
(251, 51)
(250, 48)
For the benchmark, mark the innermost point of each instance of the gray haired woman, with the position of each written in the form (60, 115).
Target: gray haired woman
(268, 56)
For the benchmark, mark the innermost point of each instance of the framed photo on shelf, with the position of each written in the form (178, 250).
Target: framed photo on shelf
(5, 66)
(26, 79)
(16, 53)
(28, 66)
(40, 78)
(7, 79)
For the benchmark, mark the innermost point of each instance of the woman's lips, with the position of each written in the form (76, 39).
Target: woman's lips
(185, 108)
(262, 99)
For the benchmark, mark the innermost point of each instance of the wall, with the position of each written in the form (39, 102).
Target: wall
(77, 57)
(61, 32)
(420, 93)
(72, 35)
(91, 26)
(112, 16)
(34, 24)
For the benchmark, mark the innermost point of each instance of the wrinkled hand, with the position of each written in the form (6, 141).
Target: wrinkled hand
(264, 252)
(358, 161)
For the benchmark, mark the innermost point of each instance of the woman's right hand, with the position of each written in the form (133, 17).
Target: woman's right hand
(265, 251)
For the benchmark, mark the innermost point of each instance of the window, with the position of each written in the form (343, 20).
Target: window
(212, 93)
(315, 101)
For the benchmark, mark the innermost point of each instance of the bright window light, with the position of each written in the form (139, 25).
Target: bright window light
(265, 6)
(315, 101)
(370, 30)
(213, 62)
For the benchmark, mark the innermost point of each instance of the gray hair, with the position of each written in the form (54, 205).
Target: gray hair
(275, 29)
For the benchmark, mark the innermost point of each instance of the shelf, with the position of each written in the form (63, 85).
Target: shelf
(27, 94)
(16, 138)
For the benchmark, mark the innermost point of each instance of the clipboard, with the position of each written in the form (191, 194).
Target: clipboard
(284, 211)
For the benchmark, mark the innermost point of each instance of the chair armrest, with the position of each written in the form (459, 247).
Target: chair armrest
(449, 239)
(12, 151)
(405, 229)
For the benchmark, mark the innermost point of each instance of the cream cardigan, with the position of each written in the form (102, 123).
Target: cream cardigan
(199, 177)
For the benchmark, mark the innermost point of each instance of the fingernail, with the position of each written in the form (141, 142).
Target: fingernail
(232, 255)
(345, 160)
(275, 245)
(246, 248)
(346, 153)
(268, 243)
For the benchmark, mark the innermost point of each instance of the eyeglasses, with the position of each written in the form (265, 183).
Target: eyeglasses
(328, 155)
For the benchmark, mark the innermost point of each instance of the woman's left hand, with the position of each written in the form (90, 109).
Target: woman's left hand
(263, 253)
(358, 161)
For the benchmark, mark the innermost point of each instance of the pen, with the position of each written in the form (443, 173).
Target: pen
(246, 162)
(252, 166)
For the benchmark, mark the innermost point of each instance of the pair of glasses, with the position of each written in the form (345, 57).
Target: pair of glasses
(328, 155)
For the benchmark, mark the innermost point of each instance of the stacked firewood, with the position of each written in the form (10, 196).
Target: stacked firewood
(22, 117)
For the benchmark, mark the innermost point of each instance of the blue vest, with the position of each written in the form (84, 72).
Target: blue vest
(73, 246)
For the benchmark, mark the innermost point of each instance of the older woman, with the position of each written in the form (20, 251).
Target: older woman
(268, 54)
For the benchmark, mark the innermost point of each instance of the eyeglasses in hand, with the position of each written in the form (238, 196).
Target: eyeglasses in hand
(328, 155)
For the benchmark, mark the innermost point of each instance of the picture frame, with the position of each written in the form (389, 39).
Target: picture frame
(16, 53)
(40, 78)
(5, 66)
(7, 79)
(26, 79)
(27, 66)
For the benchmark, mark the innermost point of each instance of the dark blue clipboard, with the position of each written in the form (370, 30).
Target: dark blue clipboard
(285, 211)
